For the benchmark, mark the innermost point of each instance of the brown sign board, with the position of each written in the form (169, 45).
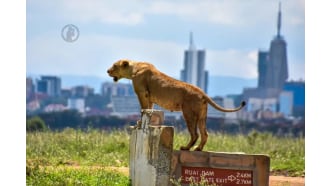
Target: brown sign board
(216, 176)
(220, 168)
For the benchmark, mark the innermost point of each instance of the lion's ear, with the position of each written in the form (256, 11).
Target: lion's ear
(125, 64)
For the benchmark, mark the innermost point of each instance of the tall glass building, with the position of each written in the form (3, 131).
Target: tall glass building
(50, 85)
(194, 67)
(272, 64)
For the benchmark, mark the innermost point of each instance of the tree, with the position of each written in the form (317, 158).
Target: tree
(62, 119)
(35, 124)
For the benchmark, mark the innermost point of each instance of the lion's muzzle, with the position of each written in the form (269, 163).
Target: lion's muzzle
(110, 73)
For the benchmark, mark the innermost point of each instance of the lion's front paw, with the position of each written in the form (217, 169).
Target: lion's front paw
(197, 149)
(184, 148)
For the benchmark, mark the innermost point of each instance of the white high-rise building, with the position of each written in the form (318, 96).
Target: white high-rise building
(194, 67)
(77, 104)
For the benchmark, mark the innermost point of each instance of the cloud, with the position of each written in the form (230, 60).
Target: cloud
(93, 54)
(235, 63)
(94, 51)
(234, 12)
(86, 11)
(109, 12)
(296, 70)
(205, 11)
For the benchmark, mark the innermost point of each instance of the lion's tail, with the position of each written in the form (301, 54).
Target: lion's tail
(218, 107)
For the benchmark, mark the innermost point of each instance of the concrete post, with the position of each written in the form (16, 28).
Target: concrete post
(151, 146)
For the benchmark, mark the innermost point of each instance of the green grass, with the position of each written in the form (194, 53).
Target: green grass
(72, 147)
(68, 176)
(48, 152)
(287, 154)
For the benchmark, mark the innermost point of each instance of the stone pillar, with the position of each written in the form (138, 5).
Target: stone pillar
(151, 146)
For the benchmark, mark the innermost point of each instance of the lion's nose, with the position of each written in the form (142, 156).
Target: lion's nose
(108, 71)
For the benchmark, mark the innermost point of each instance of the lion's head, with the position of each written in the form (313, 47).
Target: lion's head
(121, 69)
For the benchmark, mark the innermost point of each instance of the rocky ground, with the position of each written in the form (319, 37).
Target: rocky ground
(283, 181)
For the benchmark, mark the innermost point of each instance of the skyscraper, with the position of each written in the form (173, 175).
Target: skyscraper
(50, 85)
(272, 64)
(29, 89)
(194, 66)
(272, 69)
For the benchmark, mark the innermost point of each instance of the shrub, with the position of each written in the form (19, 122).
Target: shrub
(35, 124)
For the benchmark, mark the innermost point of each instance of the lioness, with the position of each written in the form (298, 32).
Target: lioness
(153, 86)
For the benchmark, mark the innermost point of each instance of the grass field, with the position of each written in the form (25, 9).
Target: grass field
(51, 157)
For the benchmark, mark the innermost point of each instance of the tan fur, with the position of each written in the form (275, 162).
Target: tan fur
(153, 86)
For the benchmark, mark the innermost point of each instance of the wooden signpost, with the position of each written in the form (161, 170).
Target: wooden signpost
(216, 176)
(225, 169)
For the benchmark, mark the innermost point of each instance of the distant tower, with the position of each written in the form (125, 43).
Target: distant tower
(194, 66)
(273, 66)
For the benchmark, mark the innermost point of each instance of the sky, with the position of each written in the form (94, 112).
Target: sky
(231, 32)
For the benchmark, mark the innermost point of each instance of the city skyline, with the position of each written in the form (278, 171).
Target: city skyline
(232, 32)
(290, 101)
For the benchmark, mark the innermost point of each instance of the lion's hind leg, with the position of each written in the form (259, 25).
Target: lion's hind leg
(203, 132)
(192, 128)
